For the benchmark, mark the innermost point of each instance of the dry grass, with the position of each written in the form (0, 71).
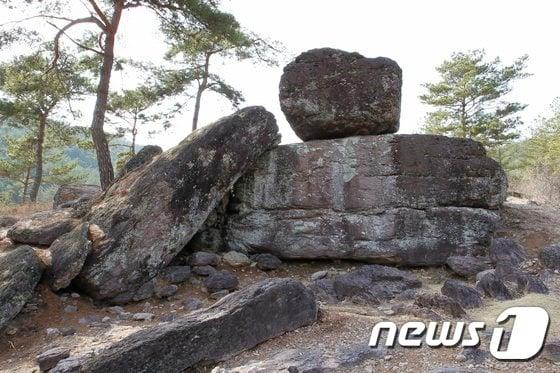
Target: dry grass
(25, 209)
(541, 187)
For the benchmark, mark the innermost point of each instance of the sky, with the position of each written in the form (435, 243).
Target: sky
(419, 35)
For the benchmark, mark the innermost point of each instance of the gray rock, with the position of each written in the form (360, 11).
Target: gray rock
(267, 262)
(506, 250)
(422, 199)
(246, 318)
(71, 308)
(203, 270)
(493, 287)
(7, 221)
(319, 275)
(20, 272)
(466, 296)
(177, 274)
(6, 245)
(50, 358)
(440, 302)
(518, 281)
(68, 255)
(150, 214)
(369, 284)
(221, 280)
(236, 259)
(141, 159)
(468, 266)
(53, 333)
(42, 228)
(550, 257)
(69, 365)
(67, 331)
(143, 316)
(69, 194)
(328, 93)
(192, 304)
(166, 291)
(202, 258)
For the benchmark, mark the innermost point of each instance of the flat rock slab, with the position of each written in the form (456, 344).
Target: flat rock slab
(68, 254)
(328, 93)
(43, 228)
(20, 272)
(150, 214)
(237, 322)
(407, 199)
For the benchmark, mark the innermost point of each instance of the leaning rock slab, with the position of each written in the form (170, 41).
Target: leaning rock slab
(406, 199)
(68, 254)
(328, 93)
(150, 214)
(20, 272)
(237, 322)
(43, 228)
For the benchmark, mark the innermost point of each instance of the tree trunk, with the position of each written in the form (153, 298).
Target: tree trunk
(201, 88)
(25, 186)
(105, 165)
(134, 133)
(39, 158)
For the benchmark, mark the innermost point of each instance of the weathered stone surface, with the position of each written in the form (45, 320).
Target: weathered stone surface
(467, 296)
(551, 351)
(68, 254)
(440, 302)
(140, 159)
(221, 280)
(69, 194)
(236, 259)
(43, 228)
(50, 358)
(550, 256)
(368, 284)
(328, 93)
(7, 221)
(468, 266)
(518, 281)
(5, 243)
(267, 262)
(20, 272)
(237, 322)
(151, 213)
(409, 199)
(506, 250)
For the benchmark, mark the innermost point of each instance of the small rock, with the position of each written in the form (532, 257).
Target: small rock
(116, 310)
(106, 319)
(236, 259)
(203, 270)
(267, 262)
(468, 297)
(219, 294)
(441, 302)
(125, 316)
(66, 331)
(177, 274)
(143, 316)
(468, 266)
(221, 280)
(68, 365)
(203, 258)
(70, 308)
(192, 304)
(506, 250)
(493, 287)
(11, 331)
(89, 320)
(53, 332)
(319, 275)
(49, 359)
(166, 291)
(75, 295)
(460, 358)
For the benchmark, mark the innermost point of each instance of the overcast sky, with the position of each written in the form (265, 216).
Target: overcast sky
(417, 34)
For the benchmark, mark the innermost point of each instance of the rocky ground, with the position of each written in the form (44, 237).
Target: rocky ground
(338, 341)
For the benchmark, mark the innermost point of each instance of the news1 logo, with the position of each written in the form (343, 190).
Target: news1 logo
(528, 333)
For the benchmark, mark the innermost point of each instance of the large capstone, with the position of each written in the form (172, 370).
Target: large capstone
(405, 199)
(20, 272)
(152, 212)
(237, 322)
(328, 93)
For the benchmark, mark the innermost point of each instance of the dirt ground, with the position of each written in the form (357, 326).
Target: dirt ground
(338, 325)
